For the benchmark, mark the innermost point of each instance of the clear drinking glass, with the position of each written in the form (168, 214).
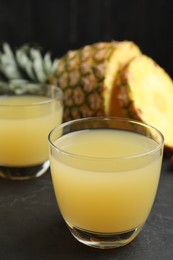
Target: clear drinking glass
(26, 120)
(105, 173)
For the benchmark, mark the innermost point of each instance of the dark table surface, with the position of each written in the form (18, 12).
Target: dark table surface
(31, 226)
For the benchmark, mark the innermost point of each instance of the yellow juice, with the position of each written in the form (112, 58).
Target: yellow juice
(25, 122)
(100, 191)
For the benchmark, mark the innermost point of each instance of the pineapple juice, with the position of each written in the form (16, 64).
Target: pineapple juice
(25, 123)
(97, 190)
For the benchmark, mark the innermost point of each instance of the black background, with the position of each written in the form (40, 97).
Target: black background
(60, 25)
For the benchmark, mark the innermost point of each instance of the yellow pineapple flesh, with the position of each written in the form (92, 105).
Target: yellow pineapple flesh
(144, 91)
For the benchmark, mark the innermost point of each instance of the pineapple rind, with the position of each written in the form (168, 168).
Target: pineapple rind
(80, 73)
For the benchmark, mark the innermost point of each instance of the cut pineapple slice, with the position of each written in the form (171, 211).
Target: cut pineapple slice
(123, 52)
(144, 91)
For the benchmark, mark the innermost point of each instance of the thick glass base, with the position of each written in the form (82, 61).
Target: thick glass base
(103, 240)
(23, 173)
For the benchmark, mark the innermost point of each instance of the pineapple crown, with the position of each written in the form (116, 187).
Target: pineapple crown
(23, 69)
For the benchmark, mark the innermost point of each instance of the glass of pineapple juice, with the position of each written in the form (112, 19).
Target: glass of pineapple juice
(26, 120)
(105, 173)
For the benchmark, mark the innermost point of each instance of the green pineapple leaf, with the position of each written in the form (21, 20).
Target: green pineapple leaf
(24, 69)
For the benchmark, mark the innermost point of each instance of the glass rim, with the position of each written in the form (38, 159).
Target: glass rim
(122, 119)
(50, 100)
